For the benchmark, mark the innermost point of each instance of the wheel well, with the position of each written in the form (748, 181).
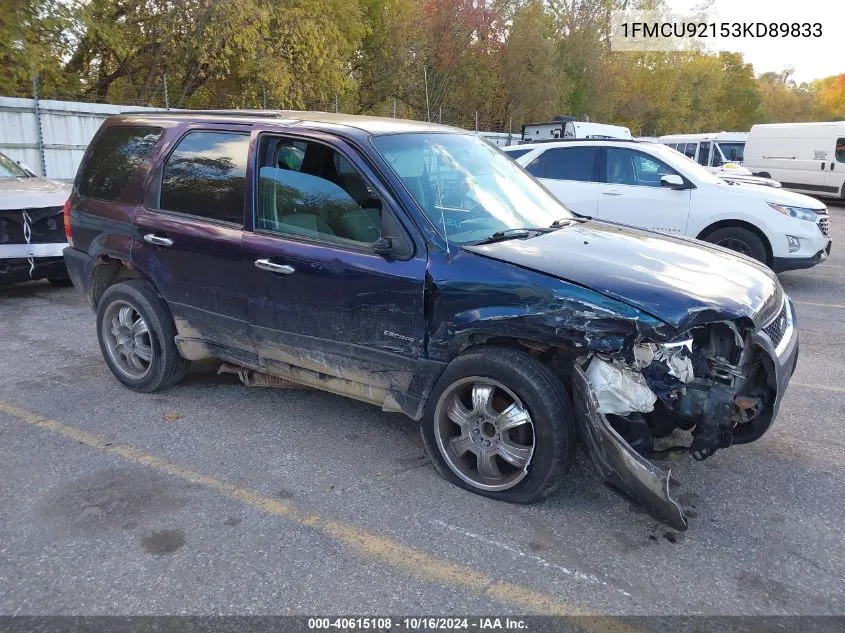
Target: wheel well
(726, 224)
(558, 358)
(108, 272)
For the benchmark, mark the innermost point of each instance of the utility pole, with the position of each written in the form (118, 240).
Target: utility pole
(166, 98)
(336, 104)
(476, 121)
(394, 107)
(264, 96)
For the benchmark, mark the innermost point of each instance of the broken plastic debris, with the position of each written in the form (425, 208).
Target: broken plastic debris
(619, 389)
(679, 366)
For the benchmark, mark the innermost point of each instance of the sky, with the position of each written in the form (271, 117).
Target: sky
(811, 58)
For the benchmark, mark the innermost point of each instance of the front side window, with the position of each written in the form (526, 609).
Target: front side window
(467, 189)
(112, 160)
(840, 150)
(629, 167)
(565, 163)
(205, 176)
(319, 195)
(732, 152)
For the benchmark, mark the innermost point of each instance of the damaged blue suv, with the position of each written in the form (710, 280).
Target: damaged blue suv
(416, 267)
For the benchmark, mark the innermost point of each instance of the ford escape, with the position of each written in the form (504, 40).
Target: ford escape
(415, 267)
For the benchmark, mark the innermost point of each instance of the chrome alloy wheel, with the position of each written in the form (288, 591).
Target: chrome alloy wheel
(127, 339)
(484, 433)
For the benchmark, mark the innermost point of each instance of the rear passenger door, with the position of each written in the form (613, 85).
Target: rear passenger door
(187, 239)
(321, 297)
(571, 174)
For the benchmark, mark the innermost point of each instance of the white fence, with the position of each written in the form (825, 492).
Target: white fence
(50, 137)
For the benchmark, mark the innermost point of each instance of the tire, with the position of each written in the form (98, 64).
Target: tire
(125, 341)
(521, 384)
(740, 240)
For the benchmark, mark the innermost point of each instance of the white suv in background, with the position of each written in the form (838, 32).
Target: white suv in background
(650, 186)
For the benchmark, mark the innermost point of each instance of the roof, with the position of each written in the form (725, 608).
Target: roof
(370, 124)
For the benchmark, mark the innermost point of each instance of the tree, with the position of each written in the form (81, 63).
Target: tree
(34, 36)
(533, 81)
(831, 95)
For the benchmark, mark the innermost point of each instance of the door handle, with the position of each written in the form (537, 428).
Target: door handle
(611, 193)
(266, 264)
(158, 240)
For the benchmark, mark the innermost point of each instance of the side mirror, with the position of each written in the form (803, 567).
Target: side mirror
(673, 181)
(383, 246)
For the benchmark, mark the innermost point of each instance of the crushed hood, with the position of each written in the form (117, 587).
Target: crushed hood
(680, 281)
(32, 193)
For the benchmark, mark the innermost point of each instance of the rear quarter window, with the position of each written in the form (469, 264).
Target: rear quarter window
(112, 160)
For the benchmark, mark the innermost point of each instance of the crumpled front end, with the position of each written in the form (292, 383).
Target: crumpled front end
(720, 383)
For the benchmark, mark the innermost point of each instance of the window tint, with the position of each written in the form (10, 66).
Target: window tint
(704, 153)
(840, 150)
(516, 153)
(565, 163)
(205, 176)
(628, 167)
(113, 159)
(322, 197)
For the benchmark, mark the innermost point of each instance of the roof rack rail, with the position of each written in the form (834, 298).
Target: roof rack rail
(570, 140)
(245, 112)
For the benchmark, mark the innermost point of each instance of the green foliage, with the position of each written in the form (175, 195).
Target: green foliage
(499, 62)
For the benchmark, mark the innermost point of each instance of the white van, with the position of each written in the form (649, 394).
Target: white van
(569, 128)
(717, 151)
(805, 157)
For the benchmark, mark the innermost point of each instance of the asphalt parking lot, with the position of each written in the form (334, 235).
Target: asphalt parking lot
(217, 498)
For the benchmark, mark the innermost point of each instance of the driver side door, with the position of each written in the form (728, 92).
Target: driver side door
(631, 192)
(322, 299)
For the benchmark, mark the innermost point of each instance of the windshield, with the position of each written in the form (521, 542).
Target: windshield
(468, 189)
(10, 169)
(732, 151)
(687, 166)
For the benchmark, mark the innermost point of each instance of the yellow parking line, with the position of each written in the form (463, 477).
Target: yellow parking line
(367, 545)
(821, 305)
(822, 387)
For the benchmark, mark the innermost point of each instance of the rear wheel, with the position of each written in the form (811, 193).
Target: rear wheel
(500, 424)
(136, 335)
(740, 240)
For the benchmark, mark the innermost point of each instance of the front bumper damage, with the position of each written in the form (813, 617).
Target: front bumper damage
(632, 474)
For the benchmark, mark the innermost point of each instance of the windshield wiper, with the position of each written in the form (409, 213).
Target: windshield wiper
(514, 234)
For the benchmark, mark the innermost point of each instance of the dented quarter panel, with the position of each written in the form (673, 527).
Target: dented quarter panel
(681, 283)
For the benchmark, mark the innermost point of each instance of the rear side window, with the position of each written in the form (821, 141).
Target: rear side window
(565, 163)
(840, 150)
(117, 153)
(205, 176)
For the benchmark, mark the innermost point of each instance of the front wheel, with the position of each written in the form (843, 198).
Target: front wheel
(740, 240)
(500, 424)
(136, 335)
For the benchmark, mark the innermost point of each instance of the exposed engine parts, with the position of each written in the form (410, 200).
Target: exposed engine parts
(708, 383)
